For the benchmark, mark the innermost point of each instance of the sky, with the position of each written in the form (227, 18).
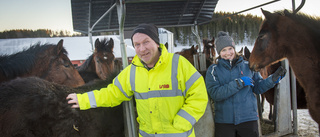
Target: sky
(56, 14)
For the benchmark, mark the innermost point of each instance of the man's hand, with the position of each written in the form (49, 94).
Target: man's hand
(73, 100)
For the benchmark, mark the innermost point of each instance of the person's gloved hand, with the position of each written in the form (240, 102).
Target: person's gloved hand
(279, 74)
(247, 81)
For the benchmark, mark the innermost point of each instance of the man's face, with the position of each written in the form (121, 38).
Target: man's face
(146, 49)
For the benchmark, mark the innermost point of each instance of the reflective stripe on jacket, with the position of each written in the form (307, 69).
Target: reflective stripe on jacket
(171, 97)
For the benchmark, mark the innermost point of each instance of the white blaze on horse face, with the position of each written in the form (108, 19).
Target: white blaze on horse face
(227, 53)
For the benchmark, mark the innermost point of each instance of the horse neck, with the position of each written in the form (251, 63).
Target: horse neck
(41, 68)
(88, 65)
(2, 77)
(306, 66)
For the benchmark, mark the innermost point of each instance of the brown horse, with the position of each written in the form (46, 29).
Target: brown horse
(46, 61)
(100, 64)
(209, 50)
(188, 53)
(34, 107)
(269, 95)
(297, 38)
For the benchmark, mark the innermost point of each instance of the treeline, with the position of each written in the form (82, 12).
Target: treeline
(243, 28)
(25, 33)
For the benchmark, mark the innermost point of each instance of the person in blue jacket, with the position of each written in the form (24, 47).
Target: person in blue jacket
(231, 85)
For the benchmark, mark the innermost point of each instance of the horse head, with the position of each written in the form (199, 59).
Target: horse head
(47, 61)
(269, 47)
(60, 69)
(209, 48)
(104, 58)
(188, 53)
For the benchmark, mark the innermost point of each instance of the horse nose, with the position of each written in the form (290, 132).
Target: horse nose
(252, 67)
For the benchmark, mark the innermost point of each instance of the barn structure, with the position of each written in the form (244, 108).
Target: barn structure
(91, 16)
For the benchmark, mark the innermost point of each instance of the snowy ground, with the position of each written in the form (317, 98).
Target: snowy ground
(306, 126)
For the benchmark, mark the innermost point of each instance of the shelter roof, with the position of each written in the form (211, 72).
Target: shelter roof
(163, 13)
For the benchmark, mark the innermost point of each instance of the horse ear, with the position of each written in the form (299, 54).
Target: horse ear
(241, 51)
(97, 43)
(111, 43)
(166, 45)
(268, 15)
(246, 52)
(286, 12)
(59, 46)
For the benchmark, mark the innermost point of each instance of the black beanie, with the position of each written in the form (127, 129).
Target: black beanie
(148, 29)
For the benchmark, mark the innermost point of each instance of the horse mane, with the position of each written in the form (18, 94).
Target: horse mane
(86, 64)
(185, 49)
(312, 23)
(188, 49)
(22, 62)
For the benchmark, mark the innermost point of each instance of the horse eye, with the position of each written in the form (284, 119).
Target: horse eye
(260, 36)
(64, 63)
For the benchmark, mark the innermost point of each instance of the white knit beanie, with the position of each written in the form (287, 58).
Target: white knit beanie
(223, 40)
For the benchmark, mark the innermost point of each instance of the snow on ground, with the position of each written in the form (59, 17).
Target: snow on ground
(307, 127)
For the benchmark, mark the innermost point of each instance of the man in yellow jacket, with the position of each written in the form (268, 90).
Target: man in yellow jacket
(170, 93)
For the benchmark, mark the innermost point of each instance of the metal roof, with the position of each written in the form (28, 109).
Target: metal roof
(102, 16)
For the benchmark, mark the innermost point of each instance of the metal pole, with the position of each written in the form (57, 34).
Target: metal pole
(293, 5)
(102, 16)
(202, 58)
(128, 105)
(293, 82)
(194, 30)
(294, 102)
(89, 29)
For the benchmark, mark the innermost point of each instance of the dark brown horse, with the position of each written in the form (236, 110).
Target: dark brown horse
(297, 38)
(101, 63)
(188, 53)
(101, 66)
(34, 107)
(48, 61)
(209, 50)
(269, 95)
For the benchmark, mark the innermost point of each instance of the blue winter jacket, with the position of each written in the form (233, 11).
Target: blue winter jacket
(233, 102)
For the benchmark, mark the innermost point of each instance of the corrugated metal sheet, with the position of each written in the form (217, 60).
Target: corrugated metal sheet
(163, 13)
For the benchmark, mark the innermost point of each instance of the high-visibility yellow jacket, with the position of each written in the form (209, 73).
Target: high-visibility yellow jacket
(170, 98)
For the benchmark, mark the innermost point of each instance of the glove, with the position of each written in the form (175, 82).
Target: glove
(279, 74)
(247, 81)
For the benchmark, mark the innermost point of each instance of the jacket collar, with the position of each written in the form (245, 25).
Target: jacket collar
(163, 51)
(226, 63)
